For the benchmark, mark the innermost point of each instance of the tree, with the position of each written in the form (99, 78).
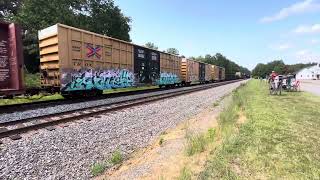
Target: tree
(9, 8)
(220, 60)
(151, 45)
(173, 51)
(263, 70)
(99, 16)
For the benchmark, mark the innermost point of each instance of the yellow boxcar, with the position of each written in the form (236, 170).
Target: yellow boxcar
(72, 59)
(190, 71)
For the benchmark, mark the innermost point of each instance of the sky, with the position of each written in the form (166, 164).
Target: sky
(247, 32)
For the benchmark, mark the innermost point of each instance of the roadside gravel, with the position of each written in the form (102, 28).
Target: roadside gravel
(69, 152)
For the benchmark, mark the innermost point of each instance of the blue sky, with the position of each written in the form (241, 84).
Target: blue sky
(247, 32)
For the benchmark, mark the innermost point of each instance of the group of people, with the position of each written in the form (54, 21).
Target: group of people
(278, 81)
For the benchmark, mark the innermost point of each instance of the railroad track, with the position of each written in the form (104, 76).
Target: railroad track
(41, 104)
(13, 129)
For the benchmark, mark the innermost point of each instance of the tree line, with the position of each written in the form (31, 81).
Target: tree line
(155, 47)
(222, 61)
(99, 16)
(217, 59)
(263, 70)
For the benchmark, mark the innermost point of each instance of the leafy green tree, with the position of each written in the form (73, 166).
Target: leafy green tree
(173, 51)
(263, 70)
(99, 16)
(220, 60)
(9, 8)
(151, 45)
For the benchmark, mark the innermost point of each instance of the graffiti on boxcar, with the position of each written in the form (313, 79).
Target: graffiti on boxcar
(100, 79)
(168, 78)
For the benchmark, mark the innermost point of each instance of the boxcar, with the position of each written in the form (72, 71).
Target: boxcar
(11, 60)
(155, 67)
(189, 71)
(215, 73)
(170, 69)
(193, 72)
(209, 73)
(78, 61)
(222, 74)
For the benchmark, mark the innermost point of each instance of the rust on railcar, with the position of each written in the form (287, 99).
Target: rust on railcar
(11, 60)
(190, 71)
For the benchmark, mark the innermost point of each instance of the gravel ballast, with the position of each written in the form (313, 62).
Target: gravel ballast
(32, 113)
(69, 152)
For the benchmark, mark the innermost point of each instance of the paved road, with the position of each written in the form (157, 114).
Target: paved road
(312, 86)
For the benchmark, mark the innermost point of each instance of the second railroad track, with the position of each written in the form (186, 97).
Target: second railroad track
(13, 129)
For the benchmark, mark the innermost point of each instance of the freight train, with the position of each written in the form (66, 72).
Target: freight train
(78, 62)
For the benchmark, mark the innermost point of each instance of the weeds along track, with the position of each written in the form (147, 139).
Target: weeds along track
(14, 128)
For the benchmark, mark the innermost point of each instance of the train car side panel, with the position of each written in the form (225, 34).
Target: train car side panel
(202, 72)
(190, 71)
(222, 74)
(11, 60)
(216, 73)
(49, 58)
(170, 69)
(146, 66)
(208, 73)
(86, 60)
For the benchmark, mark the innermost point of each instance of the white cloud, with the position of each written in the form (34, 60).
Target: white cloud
(314, 41)
(304, 29)
(306, 55)
(297, 8)
(282, 47)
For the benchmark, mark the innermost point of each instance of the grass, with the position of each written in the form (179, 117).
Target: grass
(161, 141)
(32, 80)
(116, 158)
(197, 142)
(279, 140)
(98, 168)
(35, 98)
(185, 174)
(215, 104)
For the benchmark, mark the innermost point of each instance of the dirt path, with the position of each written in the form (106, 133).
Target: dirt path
(165, 160)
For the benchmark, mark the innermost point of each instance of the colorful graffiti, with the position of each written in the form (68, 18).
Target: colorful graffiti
(168, 78)
(100, 79)
(93, 51)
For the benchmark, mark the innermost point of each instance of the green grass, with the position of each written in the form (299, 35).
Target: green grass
(116, 158)
(98, 168)
(279, 140)
(161, 141)
(197, 142)
(32, 80)
(185, 174)
(35, 98)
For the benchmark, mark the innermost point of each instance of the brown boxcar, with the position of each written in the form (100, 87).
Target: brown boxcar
(222, 74)
(170, 69)
(11, 60)
(209, 73)
(190, 71)
(75, 60)
(215, 73)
